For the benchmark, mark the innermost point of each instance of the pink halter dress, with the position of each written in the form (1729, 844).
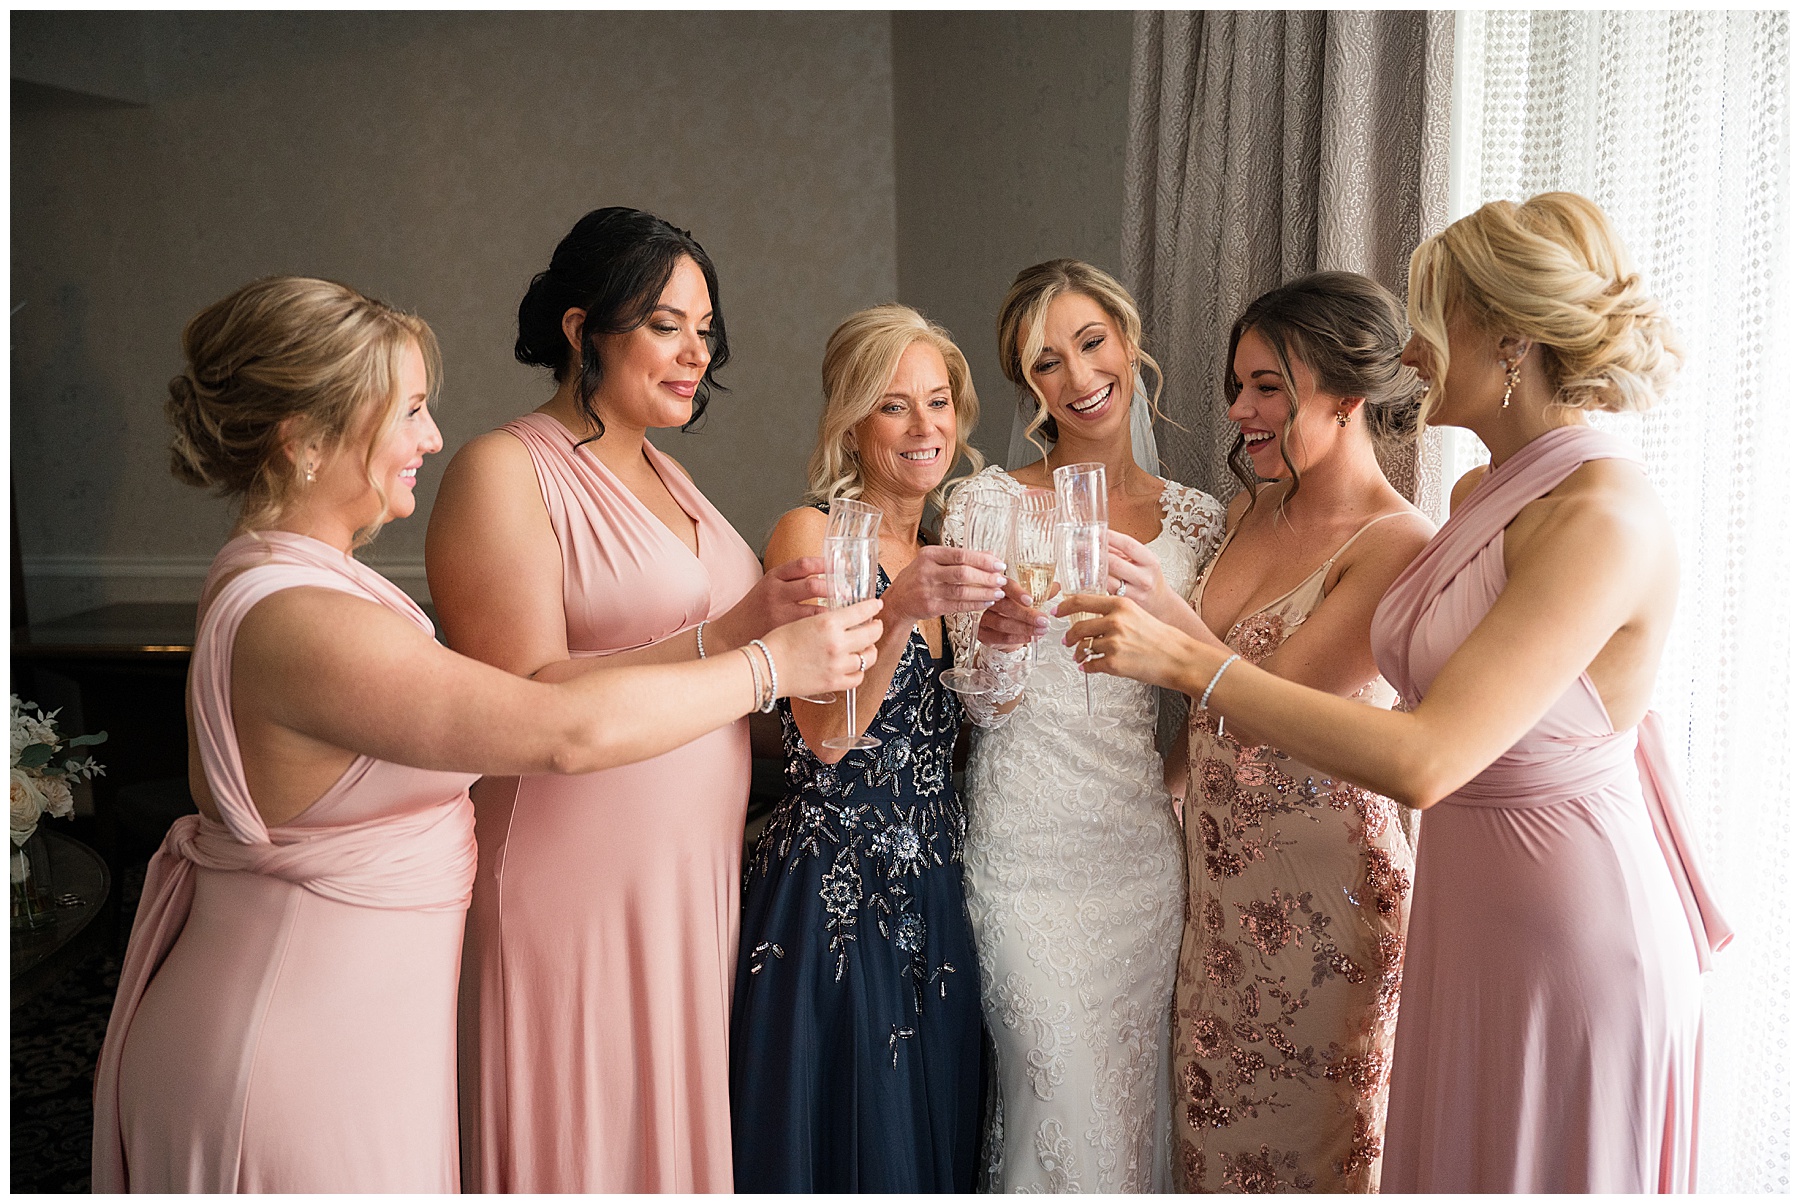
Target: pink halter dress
(286, 1014)
(603, 932)
(1549, 1028)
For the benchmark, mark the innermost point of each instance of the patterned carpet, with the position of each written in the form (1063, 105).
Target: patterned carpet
(55, 1042)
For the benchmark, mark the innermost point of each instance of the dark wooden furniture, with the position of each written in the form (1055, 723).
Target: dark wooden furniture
(121, 669)
(81, 886)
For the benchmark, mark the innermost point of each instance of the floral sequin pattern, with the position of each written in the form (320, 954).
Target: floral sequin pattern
(874, 823)
(1299, 886)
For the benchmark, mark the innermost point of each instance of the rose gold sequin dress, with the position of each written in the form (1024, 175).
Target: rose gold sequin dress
(1289, 978)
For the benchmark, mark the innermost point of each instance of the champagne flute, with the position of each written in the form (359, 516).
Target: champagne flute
(989, 529)
(851, 563)
(849, 516)
(1082, 565)
(1081, 492)
(1034, 549)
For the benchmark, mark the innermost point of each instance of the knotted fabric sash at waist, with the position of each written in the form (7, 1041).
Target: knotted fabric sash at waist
(1552, 771)
(1563, 769)
(419, 861)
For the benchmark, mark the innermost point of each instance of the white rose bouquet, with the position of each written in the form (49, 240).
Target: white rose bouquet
(44, 762)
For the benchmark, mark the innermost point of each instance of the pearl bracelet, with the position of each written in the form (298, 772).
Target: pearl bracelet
(1206, 695)
(700, 638)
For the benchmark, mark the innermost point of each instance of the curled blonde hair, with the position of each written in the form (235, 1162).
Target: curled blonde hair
(1020, 329)
(1550, 270)
(287, 359)
(861, 358)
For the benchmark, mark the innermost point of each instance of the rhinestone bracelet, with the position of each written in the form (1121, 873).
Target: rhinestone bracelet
(774, 692)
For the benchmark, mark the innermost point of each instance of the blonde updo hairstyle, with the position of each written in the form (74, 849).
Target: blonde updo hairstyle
(1020, 329)
(1552, 271)
(861, 358)
(287, 360)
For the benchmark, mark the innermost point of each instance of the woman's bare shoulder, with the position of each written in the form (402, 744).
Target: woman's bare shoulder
(1465, 485)
(799, 532)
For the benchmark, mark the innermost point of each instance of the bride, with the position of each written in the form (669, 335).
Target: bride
(1073, 863)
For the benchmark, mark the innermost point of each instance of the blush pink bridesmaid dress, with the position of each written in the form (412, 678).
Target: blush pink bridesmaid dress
(286, 1014)
(1549, 1030)
(603, 933)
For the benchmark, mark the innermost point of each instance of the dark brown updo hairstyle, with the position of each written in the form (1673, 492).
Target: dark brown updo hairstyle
(1350, 331)
(286, 360)
(613, 265)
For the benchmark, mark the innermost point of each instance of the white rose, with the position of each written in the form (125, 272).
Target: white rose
(58, 800)
(28, 803)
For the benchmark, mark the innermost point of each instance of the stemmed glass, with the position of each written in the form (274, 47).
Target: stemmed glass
(1034, 549)
(850, 566)
(989, 529)
(1082, 561)
(1081, 493)
(851, 517)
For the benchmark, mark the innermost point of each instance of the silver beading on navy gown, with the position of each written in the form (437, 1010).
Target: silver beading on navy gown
(856, 1025)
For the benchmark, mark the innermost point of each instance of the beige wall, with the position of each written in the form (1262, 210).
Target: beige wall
(434, 161)
(827, 161)
(1010, 150)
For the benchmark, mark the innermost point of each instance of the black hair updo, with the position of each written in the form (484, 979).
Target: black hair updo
(614, 264)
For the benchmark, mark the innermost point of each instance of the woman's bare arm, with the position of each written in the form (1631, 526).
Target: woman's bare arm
(319, 676)
(1592, 566)
(496, 574)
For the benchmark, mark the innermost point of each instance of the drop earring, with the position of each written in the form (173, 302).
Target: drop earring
(1512, 382)
(309, 474)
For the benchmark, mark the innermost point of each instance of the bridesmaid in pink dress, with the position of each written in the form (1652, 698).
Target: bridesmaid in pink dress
(1549, 1028)
(603, 931)
(285, 1019)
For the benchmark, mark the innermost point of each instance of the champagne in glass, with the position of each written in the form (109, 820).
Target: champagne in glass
(989, 528)
(1083, 563)
(849, 516)
(1034, 548)
(851, 564)
(1035, 579)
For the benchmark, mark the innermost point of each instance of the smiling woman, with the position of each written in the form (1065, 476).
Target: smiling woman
(856, 1024)
(604, 921)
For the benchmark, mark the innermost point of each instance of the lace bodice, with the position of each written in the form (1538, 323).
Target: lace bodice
(1193, 524)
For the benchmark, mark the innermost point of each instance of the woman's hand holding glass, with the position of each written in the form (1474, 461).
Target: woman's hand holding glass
(989, 530)
(1016, 619)
(1126, 641)
(785, 594)
(942, 581)
(1137, 568)
(1082, 562)
(848, 516)
(852, 564)
(826, 652)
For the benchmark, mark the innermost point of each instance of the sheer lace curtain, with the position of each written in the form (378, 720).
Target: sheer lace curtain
(1676, 123)
(1261, 146)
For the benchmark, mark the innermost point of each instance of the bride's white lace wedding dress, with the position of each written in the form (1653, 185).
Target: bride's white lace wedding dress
(1074, 872)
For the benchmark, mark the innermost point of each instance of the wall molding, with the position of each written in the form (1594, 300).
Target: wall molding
(56, 586)
(139, 568)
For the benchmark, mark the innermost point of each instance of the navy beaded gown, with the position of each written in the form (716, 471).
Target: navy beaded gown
(856, 1022)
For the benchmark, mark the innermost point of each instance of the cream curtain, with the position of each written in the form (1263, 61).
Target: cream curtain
(1676, 123)
(1264, 145)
